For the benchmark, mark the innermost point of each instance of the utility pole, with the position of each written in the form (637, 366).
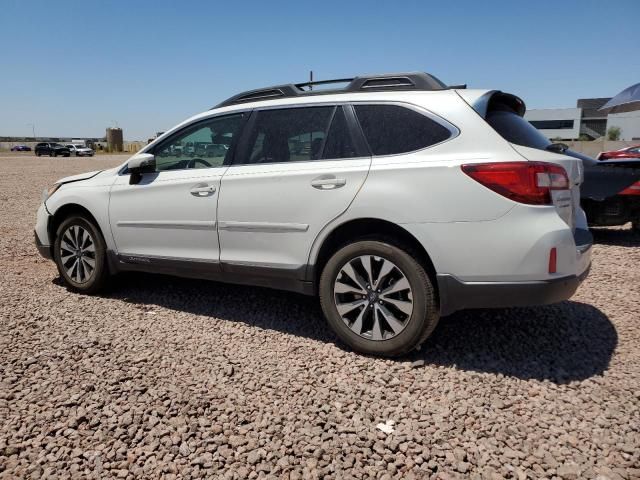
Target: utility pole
(33, 130)
(310, 79)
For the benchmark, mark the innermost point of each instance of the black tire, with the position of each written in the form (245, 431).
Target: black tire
(635, 226)
(37, 154)
(98, 279)
(424, 316)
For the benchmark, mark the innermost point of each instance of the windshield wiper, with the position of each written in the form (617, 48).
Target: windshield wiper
(557, 147)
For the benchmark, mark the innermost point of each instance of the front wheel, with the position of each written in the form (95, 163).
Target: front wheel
(80, 255)
(378, 298)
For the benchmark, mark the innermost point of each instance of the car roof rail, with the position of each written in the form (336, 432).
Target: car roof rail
(385, 82)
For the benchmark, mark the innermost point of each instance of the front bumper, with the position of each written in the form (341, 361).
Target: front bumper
(44, 250)
(41, 232)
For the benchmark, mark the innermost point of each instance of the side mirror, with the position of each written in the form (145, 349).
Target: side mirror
(139, 164)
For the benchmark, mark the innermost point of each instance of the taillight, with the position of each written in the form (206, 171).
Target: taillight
(632, 190)
(524, 182)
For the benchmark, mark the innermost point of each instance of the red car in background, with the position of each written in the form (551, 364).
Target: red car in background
(628, 152)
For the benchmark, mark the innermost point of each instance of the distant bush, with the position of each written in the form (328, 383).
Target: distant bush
(613, 133)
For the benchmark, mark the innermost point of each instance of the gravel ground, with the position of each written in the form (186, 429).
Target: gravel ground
(172, 378)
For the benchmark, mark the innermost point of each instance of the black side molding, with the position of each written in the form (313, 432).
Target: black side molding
(457, 295)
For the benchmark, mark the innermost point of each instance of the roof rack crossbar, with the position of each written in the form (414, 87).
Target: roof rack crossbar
(394, 81)
(323, 82)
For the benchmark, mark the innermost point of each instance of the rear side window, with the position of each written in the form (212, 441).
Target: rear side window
(392, 129)
(287, 135)
(515, 129)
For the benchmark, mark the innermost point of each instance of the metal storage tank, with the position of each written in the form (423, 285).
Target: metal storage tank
(115, 141)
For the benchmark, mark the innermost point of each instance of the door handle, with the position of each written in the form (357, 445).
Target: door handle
(203, 190)
(328, 183)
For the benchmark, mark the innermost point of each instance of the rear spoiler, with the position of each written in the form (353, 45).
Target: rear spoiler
(480, 101)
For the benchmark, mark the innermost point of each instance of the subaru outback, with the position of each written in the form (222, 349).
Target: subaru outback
(395, 199)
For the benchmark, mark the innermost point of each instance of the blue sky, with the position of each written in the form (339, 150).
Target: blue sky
(74, 68)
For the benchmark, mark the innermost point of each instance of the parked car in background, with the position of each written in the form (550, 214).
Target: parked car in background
(410, 200)
(80, 150)
(615, 210)
(20, 148)
(628, 152)
(52, 149)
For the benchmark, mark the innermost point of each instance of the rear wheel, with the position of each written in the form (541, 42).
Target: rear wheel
(377, 298)
(80, 255)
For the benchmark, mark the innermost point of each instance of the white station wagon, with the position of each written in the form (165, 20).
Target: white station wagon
(396, 199)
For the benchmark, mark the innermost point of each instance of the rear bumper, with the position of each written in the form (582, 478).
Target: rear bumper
(457, 295)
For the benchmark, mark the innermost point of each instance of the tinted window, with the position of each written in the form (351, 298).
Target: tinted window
(552, 124)
(203, 145)
(391, 129)
(339, 143)
(287, 135)
(515, 129)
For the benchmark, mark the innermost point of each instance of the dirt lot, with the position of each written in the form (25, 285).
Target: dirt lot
(163, 377)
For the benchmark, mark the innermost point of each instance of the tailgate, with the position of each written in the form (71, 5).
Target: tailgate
(567, 203)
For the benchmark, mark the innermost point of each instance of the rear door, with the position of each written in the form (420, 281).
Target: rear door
(297, 169)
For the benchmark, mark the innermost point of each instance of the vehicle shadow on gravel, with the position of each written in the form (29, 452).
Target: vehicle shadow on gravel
(616, 237)
(561, 343)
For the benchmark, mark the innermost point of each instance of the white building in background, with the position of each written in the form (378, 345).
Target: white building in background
(627, 122)
(556, 123)
(585, 121)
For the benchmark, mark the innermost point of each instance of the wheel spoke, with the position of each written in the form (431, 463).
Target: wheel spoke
(367, 264)
(344, 288)
(395, 324)
(67, 238)
(351, 273)
(402, 305)
(398, 286)
(376, 331)
(84, 236)
(385, 270)
(86, 267)
(80, 271)
(89, 261)
(356, 326)
(344, 308)
(70, 270)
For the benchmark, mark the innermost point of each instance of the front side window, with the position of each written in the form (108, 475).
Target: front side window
(287, 135)
(203, 145)
(392, 129)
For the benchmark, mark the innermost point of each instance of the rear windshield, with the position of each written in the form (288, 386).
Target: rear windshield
(515, 129)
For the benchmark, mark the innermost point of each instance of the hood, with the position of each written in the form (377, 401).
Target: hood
(80, 176)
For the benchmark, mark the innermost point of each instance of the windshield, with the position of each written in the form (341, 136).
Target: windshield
(515, 129)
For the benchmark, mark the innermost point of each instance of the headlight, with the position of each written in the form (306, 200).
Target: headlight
(47, 193)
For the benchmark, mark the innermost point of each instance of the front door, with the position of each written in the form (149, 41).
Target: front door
(171, 213)
(296, 170)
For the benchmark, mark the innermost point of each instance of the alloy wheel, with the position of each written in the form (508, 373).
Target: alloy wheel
(373, 297)
(78, 254)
